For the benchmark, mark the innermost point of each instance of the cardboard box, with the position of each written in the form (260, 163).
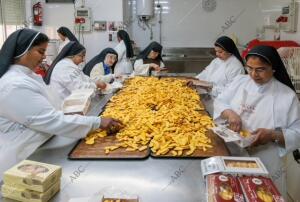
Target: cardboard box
(82, 93)
(76, 106)
(230, 136)
(33, 175)
(21, 194)
(226, 134)
(78, 102)
(233, 165)
(223, 188)
(259, 189)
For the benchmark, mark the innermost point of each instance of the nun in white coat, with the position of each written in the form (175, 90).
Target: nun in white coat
(221, 71)
(101, 67)
(225, 67)
(149, 60)
(65, 74)
(265, 104)
(65, 36)
(125, 52)
(29, 115)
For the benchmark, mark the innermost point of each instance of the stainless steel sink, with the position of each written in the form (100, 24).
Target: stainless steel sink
(186, 60)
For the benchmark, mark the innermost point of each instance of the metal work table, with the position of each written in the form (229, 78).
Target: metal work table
(152, 180)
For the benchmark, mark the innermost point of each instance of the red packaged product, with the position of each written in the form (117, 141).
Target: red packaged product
(259, 189)
(223, 188)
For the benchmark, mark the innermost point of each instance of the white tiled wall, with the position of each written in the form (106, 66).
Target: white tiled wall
(62, 14)
(186, 24)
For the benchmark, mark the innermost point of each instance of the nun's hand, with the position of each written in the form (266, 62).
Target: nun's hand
(263, 136)
(111, 125)
(190, 82)
(200, 84)
(155, 67)
(234, 120)
(101, 85)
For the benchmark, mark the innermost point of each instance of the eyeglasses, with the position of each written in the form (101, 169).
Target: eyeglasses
(259, 70)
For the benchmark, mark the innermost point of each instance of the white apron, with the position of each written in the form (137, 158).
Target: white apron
(250, 107)
(124, 66)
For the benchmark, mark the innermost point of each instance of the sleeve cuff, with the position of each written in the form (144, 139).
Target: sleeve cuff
(96, 122)
(218, 109)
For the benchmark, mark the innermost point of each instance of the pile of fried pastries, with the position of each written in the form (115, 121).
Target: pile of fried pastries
(163, 114)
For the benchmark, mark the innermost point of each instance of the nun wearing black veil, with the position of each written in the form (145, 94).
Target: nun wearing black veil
(222, 70)
(265, 104)
(125, 52)
(65, 36)
(149, 60)
(102, 66)
(29, 115)
(65, 74)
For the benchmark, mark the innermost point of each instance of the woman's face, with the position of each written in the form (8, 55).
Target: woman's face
(153, 55)
(35, 56)
(221, 53)
(62, 37)
(79, 58)
(110, 59)
(258, 70)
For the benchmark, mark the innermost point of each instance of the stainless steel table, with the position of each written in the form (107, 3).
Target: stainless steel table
(152, 180)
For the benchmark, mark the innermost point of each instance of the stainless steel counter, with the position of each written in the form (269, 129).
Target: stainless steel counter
(152, 180)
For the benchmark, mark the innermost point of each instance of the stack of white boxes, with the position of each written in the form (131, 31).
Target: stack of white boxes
(78, 102)
(31, 181)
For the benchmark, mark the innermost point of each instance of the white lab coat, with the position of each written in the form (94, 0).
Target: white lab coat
(220, 73)
(28, 117)
(272, 105)
(124, 65)
(62, 44)
(141, 69)
(97, 74)
(67, 76)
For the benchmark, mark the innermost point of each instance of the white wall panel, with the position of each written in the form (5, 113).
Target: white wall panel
(186, 24)
(62, 14)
